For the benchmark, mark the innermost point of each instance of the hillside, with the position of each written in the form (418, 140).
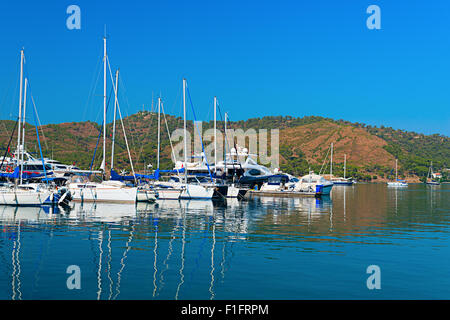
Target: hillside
(304, 142)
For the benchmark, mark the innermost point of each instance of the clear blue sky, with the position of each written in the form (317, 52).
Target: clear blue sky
(259, 57)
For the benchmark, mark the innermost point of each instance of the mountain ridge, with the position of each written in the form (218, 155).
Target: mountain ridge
(370, 150)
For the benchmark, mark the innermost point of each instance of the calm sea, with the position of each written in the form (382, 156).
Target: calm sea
(260, 248)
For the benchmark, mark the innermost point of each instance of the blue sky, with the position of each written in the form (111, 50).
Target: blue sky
(258, 57)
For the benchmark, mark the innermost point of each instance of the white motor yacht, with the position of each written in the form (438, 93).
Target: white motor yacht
(314, 183)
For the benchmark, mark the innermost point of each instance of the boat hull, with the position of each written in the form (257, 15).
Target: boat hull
(193, 191)
(103, 194)
(145, 196)
(24, 198)
(343, 183)
(326, 189)
(169, 193)
(397, 184)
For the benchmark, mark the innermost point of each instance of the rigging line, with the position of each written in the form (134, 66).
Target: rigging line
(227, 144)
(200, 136)
(9, 143)
(39, 141)
(234, 143)
(168, 133)
(31, 95)
(125, 96)
(142, 144)
(93, 86)
(37, 115)
(100, 133)
(123, 127)
(324, 161)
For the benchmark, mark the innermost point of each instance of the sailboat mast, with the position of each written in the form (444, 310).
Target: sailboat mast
(345, 163)
(215, 135)
(104, 104)
(396, 170)
(185, 141)
(159, 130)
(23, 130)
(20, 101)
(225, 169)
(331, 161)
(114, 120)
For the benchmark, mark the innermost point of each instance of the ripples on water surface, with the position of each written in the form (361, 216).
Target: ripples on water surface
(261, 248)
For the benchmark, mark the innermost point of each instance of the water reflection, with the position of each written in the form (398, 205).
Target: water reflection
(205, 249)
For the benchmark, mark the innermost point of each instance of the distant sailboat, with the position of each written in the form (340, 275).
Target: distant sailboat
(342, 181)
(430, 175)
(397, 183)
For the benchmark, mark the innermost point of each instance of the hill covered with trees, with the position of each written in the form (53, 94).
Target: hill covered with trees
(304, 142)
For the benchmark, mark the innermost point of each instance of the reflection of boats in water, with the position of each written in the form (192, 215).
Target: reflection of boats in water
(106, 212)
(9, 213)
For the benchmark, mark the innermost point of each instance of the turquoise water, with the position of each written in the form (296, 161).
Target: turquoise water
(261, 248)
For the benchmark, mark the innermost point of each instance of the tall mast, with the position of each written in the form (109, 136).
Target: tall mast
(396, 170)
(225, 169)
(185, 141)
(159, 130)
(23, 130)
(114, 120)
(104, 103)
(20, 101)
(331, 161)
(215, 135)
(345, 163)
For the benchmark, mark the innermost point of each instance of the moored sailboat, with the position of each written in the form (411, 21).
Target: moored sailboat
(430, 177)
(397, 182)
(108, 190)
(21, 193)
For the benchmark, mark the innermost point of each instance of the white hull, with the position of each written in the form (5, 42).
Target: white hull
(146, 195)
(312, 183)
(169, 193)
(194, 191)
(24, 197)
(397, 184)
(99, 192)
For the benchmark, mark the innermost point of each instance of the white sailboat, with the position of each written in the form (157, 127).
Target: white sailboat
(430, 177)
(233, 190)
(343, 181)
(397, 183)
(105, 191)
(33, 194)
(190, 189)
(163, 190)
